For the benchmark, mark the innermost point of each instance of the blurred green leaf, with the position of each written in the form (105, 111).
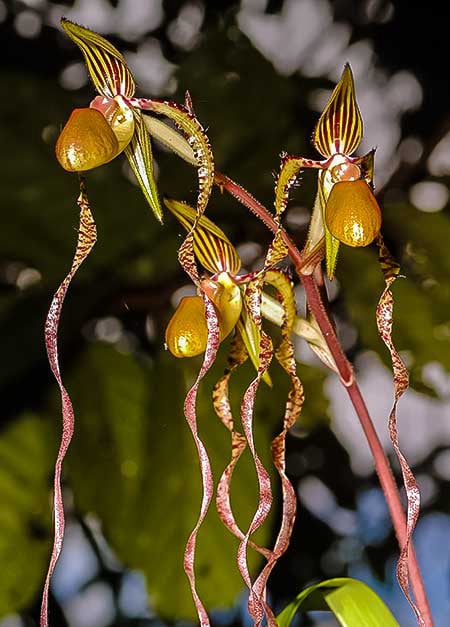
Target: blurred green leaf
(133, 463)
(352, 602)
(315, 411)
(26, 462)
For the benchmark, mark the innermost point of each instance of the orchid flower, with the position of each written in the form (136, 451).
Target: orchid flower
(346, 210)
(236, 302)
(113, 123)
(187, 331)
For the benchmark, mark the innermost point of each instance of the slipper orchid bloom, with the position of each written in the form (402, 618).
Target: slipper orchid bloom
(114, 123)
(187, 331)
(346, 210)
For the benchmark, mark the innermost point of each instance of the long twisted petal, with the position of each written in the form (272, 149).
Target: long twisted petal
(87, 236)
(256, 604)
(199, 142)
(401, 380)
(205, 466)
(286, 358)
(221, 402)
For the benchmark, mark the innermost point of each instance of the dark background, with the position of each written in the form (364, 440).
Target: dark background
(258, 73)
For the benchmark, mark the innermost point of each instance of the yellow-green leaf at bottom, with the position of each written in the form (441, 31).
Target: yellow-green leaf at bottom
(352, 602)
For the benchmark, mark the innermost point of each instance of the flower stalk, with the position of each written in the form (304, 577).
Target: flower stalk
(346, 375)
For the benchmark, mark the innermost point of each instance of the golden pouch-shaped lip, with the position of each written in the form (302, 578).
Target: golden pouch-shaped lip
(352, 213)
(187, 331)
(86, 141)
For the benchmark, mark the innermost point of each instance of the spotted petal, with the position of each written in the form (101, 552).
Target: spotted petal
(106, 66)
(87, 236)
(212, 247)
(289, 170)
(340, 128)
(285, 356)
(196, 137)
(384, 315)
(139, 154)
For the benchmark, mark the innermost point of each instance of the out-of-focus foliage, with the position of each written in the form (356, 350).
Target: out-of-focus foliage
(133, 444)
(26, 449)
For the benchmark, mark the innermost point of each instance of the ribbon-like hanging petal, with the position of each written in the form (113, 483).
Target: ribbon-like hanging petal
(256, 604)
(286, 358)
(205, 465)
(87, 236)
(221, 402)
(384, 317)
(198, 141)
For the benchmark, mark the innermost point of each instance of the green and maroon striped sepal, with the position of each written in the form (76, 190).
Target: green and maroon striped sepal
(106, 66)
(212, 247)
(340, 128)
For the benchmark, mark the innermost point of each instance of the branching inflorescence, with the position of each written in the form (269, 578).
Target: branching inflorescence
(228, 303)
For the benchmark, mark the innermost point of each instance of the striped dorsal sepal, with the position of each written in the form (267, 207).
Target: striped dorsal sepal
(106, 66)
(212, 247)
(339, 129)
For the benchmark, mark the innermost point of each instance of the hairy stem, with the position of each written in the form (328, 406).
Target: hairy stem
(318, 309)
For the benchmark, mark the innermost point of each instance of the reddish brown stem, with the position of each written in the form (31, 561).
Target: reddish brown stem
(316, 305)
